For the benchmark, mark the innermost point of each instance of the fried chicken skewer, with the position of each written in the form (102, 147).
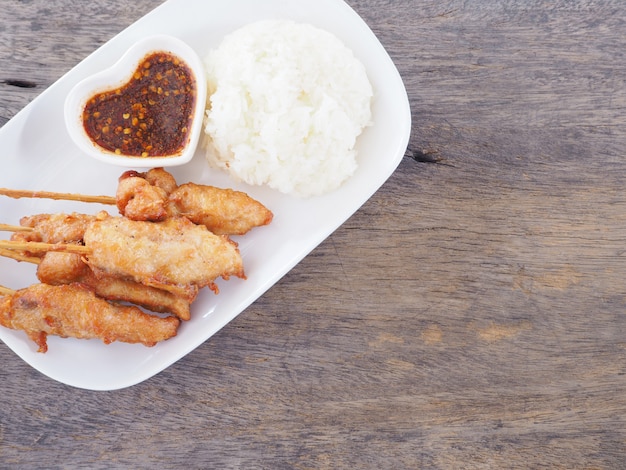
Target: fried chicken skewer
(52, 228)
(57, 268)
(175, 255)
(155, 196)
(73, 310)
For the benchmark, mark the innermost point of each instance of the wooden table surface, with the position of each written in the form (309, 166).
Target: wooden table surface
(470, 315)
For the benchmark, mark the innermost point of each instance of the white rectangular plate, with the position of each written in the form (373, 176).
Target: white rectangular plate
(38, 154)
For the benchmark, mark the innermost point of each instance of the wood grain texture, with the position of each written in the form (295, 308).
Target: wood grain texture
(470, 315)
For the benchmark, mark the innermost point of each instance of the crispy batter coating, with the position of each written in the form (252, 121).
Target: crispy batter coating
(137, 199)
(54, 228)
(222, 211)
(57, 268)
(73, 310)
(172, 255)
(155, 196)
(160, 178)
(144, 196)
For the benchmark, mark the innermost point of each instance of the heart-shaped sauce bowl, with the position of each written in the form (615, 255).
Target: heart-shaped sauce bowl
(146, 110)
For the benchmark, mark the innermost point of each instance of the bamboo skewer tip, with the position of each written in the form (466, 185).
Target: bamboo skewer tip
(6, 291)
(40, 247)
(15, 228)
(20, 193)
(18, 256)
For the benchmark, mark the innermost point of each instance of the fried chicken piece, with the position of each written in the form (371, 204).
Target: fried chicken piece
(155, 196)
(161, 178)
(73, 310)
(144, 196)
(174, 255)
(57, 268)
(137, 199)
(54, 228)
(222, 211)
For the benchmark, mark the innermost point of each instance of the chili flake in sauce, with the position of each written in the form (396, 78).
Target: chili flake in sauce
(150, 116)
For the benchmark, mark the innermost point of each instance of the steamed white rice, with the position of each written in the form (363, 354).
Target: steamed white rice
(287, 102)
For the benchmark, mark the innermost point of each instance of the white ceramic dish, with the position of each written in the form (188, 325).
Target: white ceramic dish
(119, 74)
(39, 154)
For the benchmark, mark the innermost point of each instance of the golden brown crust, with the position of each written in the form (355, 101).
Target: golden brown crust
(174, 253)
(222, 211)
(54, 228)
(74, 310)
(155, 196)
(137, 199)
(58, 268)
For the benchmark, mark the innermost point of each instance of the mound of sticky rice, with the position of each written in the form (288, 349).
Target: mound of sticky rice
(287, 102)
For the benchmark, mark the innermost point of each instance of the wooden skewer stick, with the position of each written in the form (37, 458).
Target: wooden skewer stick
(6, 291)
(39, 247)
(18, 193)
(15, 228)
(17, 256)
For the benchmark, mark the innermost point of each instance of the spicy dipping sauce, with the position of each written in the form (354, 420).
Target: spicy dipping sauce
(150, 116)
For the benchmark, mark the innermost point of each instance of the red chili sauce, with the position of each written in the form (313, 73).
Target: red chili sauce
(150, 116)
